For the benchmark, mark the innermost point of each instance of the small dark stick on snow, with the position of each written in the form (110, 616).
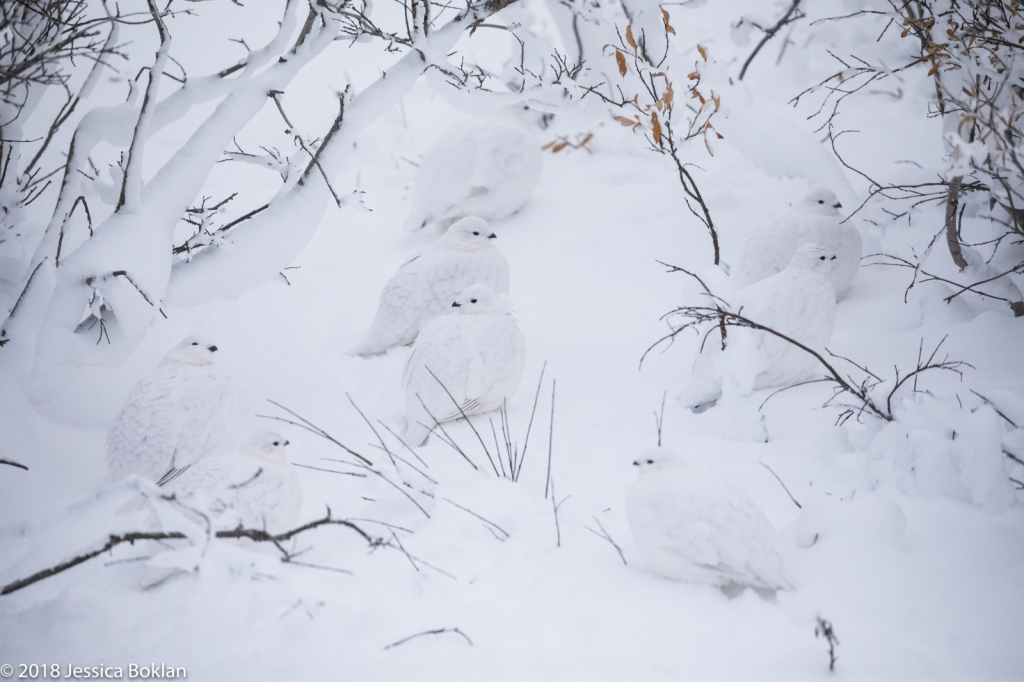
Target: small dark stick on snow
(604, 536)
(824, 629)
(555, 508)
(13, 464)
(469, 511)
(440, 631)
(529, 426)
(551, 435)
(798, 505)
(659, 419)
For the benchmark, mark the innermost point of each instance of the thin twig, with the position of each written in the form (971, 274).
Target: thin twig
(13, 464)
(469, 511)
(798, 505)
(551, 438)
(605, 536)
(770, 33)
(529, 426)
(440, 631)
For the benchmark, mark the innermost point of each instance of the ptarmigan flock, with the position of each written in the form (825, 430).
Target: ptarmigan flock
(450, 301)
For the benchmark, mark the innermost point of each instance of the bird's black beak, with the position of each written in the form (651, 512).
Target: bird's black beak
(456, 304)
(636, 463)
(492, 236)
(212, 349)
(837, 205)
(833, 258)
(286, 442)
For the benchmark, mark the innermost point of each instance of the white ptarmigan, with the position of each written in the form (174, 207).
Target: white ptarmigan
(813, 220)
(186, 409)
(255, 487)
(699, 527)
(486, 167)
(798, 302)
(475, 354)
(426, 284)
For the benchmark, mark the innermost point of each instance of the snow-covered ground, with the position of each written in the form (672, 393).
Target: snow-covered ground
(910, 539)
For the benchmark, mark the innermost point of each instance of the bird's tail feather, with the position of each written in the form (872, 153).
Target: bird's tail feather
(365, 348)
(417, 434)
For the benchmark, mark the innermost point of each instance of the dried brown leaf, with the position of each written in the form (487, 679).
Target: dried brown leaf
(620, 59)
(668, 26)
(669, 94)
(657, 128)
(629, 37)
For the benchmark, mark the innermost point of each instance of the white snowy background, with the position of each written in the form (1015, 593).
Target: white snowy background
(918, 561)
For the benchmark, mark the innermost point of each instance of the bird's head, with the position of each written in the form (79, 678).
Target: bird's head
(821, 201)
(267, 445)
(814, 257)
(470, 233)
(193, 350)
(479, 298)
(656, 459)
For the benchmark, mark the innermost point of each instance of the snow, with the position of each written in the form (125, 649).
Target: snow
(910, 539)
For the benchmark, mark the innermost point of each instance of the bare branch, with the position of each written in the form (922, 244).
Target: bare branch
(791, 15)
(256, 535)
(440, 631)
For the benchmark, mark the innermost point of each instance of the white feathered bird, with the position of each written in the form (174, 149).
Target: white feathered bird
(255, 487)
(486, 167)
(699, 527)
(798, 302)
(426, 284)
(465, 363)
(813, 220)
(186, 409)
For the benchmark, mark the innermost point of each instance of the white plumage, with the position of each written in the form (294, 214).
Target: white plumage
(813, 220)
(477, 353)
(798, 302)
(426, 284)
(487, 167)
(186, 409)
(699, 527)
(255, 487)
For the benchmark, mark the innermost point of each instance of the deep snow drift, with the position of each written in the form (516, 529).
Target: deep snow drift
(909, 538)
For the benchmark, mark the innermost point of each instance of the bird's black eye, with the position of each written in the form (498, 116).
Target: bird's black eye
(277, 442)
(194, 343)
(822, 258)
(476, 233)
(472, 300)
(650, 461)
(820, 201)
